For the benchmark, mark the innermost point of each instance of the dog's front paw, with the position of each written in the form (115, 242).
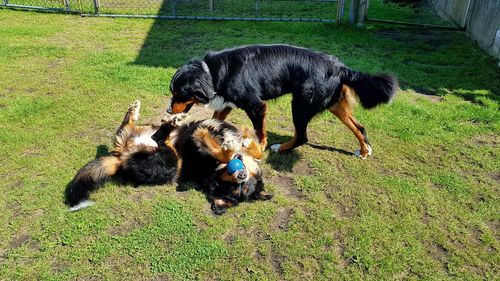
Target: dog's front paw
(275, 147)
(363, 154)
(229, 144)
(175, 120)
(134, 109)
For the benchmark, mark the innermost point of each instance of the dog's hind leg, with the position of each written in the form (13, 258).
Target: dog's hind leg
(131, 115)
(210, 145)
(342, 109)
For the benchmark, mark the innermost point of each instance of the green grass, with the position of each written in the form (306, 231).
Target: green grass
(424, 206)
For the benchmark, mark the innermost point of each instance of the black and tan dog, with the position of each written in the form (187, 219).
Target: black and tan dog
(246, 77)
(173, 152)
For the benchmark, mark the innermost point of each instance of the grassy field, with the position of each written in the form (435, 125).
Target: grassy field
(424, 206)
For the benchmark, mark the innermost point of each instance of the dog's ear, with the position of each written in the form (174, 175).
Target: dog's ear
(201, 84)
(205, 67)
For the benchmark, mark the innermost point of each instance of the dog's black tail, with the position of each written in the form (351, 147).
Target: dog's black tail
(90, 177)
(371, 90)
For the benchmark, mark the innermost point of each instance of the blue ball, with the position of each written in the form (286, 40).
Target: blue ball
(234, 165)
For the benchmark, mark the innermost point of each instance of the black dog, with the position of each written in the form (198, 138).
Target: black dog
(245, 77)
(195, 151)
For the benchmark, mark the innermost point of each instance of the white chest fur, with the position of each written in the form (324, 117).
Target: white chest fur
(145, 140)
(219, 104)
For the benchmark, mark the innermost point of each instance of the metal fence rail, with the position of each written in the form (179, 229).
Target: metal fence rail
(258, 10)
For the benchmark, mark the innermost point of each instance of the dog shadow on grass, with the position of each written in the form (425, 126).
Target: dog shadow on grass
(284, 162)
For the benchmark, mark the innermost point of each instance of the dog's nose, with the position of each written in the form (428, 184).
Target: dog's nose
(242, 175)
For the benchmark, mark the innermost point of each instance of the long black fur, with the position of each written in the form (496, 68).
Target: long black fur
(160, 166)
(141, 167)
(247, 76)
(89, 178)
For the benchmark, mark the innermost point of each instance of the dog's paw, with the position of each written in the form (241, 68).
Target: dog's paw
(358, 153)
(275, 147)
(218, 209)
(175, 120)
(179, 119)
(246, 143)
(81, 205)
(263, 195)
(134, 108)
(228, 144)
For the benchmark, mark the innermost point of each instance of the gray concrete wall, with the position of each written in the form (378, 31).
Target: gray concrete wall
(453, 9)
(481, 22)
(484, 25)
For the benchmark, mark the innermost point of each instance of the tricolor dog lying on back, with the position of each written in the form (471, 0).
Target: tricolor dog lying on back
(246, 77)
(172, 152)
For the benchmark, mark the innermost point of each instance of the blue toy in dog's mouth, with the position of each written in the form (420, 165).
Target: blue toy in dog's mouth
(234, 165)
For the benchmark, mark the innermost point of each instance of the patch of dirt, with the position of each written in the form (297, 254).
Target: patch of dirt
(162, 277)
(229, 239)
(346, 208)
(282, 219)
(302, 168)
(277, 263)
(15, 207)
(421, 92)
(19, 240)
(142, 195)
(439, 253)
(258, 256)
(126, 227)
(286, 186)
(487, 140)
(54, 63)
(495, 176)
(59, 266)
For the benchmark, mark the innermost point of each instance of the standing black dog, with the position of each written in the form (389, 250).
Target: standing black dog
(245, 77)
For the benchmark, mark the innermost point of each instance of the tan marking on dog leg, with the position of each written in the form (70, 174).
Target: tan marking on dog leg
(212, 146)
(342, 109)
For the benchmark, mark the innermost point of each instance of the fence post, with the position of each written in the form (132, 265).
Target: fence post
(6, 2)
(362, 12)
(96, 6)
(353, 11)
(211, 5)
(340, 10)
(257, 8)
(358, 11)
(66, 4)
(173, 8)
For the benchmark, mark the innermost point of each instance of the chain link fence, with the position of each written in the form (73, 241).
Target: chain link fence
(269, 10)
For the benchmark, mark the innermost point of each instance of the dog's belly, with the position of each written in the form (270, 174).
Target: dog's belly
(145, 140)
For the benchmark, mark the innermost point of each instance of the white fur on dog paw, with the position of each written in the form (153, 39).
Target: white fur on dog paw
(83, 204)
(246, 143)
(134, 109)
(229, 145)
(275, 147)
(179, 119)
(357, 153)
(176, 120)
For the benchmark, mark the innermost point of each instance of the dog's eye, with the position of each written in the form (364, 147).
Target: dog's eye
(238, 156)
